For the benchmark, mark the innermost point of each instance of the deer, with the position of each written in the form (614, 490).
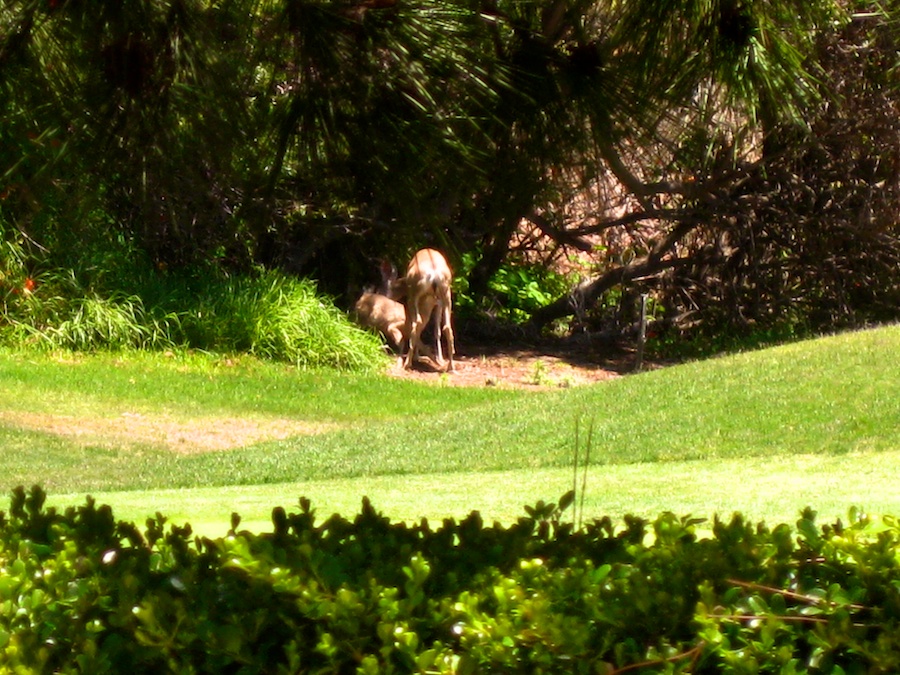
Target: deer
(384, 314)
(381, 310)
(427, 286)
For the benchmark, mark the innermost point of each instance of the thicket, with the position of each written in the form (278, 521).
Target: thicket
(737, 160)
(81, 592)
(773, 230)
(125, 304)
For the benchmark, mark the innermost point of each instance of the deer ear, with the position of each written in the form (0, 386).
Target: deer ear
(388, 271)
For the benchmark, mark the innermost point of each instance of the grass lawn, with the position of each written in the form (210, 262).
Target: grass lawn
(814, 423)
(764, 489)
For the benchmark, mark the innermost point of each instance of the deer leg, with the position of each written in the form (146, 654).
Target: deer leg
(414, 330)
(438, 312)
(415, 334)
(443, 323)
(448, 331)
(395, 335)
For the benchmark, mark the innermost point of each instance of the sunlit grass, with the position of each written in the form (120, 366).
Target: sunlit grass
(269, 315)
(815, 423)
(770, 489)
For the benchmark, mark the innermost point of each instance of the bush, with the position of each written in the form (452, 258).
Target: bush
(82, 592)
(270, 315)
(514, 293)
(276, 317)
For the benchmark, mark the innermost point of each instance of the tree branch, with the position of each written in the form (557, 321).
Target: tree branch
(641, 190)
(586, 293)
(561, 236)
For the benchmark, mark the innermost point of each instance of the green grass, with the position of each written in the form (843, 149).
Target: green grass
(769, 432)
(196, 384)
(269, 315)
(768, 489)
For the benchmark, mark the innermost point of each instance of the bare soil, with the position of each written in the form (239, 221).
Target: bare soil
(205, 434)
(546, 365)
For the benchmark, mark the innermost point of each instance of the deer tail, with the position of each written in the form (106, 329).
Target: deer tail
(433, 280)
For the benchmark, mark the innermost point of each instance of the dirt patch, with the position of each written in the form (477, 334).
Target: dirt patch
(207, 434)
(542, 366)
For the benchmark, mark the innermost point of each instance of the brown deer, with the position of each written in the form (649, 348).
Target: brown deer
(385, 315)
(381, 310)
(427, 286)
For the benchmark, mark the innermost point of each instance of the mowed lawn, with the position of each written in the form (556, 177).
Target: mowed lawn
(197, 437)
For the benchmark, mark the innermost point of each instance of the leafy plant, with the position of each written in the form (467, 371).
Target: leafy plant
(270, 315)
(274, 316)
(516, 290)
(83, 592)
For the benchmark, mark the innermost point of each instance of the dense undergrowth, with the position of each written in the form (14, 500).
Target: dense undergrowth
(269, 315)
(107, 295)
(81, 592)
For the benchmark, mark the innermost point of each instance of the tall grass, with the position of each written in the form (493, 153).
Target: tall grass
(270, 315)
(89, 323)
(276, 317)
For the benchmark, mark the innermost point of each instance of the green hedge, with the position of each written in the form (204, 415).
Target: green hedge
(81, 592)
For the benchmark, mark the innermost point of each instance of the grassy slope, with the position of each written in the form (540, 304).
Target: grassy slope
(838, 396)
(766, 432)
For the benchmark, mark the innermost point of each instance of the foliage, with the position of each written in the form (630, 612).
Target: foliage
(81, 591)
(734, 159)
(241, 133)
(269, 315)
(278, 317)
(514, 293)
(810, 238)
(788, 227)
(187, 136)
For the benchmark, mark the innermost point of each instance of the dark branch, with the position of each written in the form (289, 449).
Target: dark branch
(587, 293)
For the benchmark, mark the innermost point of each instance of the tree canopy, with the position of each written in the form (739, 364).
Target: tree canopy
(718, 150)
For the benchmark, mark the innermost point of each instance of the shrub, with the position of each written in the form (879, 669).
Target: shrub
(270, 315)
(277, 317)
(83, 592)
(515, 291)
